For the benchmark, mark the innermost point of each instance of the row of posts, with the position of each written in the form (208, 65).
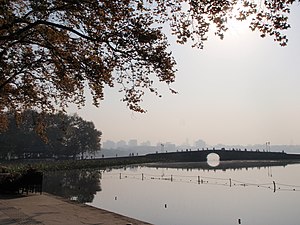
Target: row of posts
(200, 181)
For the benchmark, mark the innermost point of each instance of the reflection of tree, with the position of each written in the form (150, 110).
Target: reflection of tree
(81, 185)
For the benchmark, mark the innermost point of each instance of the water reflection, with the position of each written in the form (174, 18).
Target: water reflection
(197, 179)
(252, 192)
(193, 193)
(213, 160)
(215, 164)
(79, 185)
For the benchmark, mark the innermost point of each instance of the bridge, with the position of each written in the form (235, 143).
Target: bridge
(225, 155)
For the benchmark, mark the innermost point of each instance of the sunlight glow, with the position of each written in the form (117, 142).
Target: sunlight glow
(213, 159)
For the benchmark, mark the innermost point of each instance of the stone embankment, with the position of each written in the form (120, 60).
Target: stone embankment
(52, 210)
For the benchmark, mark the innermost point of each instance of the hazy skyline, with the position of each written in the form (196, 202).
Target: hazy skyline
(240, 90)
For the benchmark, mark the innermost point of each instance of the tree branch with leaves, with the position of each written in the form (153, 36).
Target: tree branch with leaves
(52, 51)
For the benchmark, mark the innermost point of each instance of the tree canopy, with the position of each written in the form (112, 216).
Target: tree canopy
(66, 136)
(53, 51)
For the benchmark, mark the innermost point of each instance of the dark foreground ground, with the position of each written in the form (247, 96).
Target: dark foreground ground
(52, 210)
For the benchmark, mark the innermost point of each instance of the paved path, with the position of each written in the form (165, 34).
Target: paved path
(52, 210)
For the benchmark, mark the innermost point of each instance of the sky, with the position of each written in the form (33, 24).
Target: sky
(238, 91)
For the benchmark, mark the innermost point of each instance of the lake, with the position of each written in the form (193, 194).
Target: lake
(189, 193)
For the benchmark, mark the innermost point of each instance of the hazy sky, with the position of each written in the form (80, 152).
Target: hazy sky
(240, 90)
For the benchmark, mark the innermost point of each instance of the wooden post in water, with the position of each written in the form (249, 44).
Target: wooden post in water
(274, 185)
(229, 182)
(198, 179)
(142, 176)
(171, 178)
(120, 176)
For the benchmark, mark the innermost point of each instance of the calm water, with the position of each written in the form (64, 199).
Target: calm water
(193, 194)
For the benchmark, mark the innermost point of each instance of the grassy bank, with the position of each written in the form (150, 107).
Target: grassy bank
(21, 175)
(52, 165)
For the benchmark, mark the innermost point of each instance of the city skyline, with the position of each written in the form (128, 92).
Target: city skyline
(123, 148)
(109, 144)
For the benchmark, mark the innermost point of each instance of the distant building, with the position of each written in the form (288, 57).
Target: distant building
(200, 144)
(168, 146)
(146, 143)
(121, 144)
(132, 143)
(109, 144)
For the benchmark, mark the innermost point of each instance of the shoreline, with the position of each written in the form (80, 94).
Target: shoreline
(49, 209)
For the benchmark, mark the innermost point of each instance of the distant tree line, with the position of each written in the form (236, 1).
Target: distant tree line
(48, 135)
